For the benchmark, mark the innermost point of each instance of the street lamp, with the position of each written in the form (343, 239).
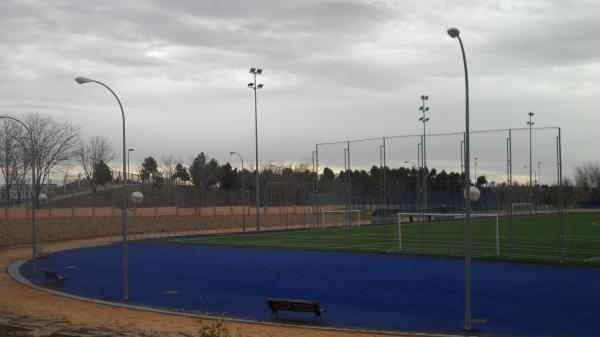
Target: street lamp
(455, 33)
(128, 161)
(539, 172)
(33, 192)
(83, 80)
(424, 120)
(475, 170)
(243, 191)
(254, 86)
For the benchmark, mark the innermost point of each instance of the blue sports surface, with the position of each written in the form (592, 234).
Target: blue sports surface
(372, 291)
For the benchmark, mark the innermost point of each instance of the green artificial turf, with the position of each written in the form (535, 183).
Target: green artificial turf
(535, 238)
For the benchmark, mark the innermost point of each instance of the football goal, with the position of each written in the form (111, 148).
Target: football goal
(341, 218)
(522, 208)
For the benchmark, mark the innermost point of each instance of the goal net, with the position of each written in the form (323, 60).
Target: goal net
(341, 218)
(442, 232)
(522, 208)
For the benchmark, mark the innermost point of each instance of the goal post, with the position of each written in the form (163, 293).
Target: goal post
(522, 208)
(441, 217)
(338, 218)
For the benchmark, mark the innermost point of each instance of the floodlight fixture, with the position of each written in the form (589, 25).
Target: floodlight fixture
(252, 71)
(258, 71)
(259, 86)
(82, 80)
(453, 32)
(250, 85)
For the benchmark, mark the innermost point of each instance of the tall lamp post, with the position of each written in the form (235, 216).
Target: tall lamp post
(475, 164)
(424, 120)
(254, 86)
(33, 192)
(243, 192)
(530, 123)
(455, 33)
(129, 161)
(83, 80)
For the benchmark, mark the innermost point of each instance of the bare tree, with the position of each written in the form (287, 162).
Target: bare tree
(14, 162)
(587, 177)
(167, 167)
(91, 153)
(54, 144)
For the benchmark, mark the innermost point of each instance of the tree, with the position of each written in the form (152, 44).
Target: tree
(587, 177)
(102, 174)
(168, 167)
(54, 144)
(481, 181)
(92, 152)
(197, 169)
(181, 173)
(229, 177)
(149, 167)
(204, 174)
(212, 173)
(14, 159)
(158, 179)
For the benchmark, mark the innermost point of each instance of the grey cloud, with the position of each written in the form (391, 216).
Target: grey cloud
(333, 69)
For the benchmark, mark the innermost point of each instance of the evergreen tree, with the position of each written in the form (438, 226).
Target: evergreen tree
(102, 174)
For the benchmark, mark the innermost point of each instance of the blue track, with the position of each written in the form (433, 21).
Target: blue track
(375, 291)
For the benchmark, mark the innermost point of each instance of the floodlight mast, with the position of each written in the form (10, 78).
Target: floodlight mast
(530, 123)
(455, 33)
(424, 120)
(254, 86)
(84, 80)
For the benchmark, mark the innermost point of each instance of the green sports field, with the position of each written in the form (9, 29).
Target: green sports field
(535, 238)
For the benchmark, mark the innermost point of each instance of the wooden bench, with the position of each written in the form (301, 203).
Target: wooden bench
(277, 304)
(51, 275)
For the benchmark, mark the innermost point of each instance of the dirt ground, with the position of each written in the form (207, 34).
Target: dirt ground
(17, 300)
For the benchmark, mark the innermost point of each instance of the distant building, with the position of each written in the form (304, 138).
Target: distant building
(23, 193)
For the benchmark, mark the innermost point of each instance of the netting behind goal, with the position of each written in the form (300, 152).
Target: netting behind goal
(340, 218)
(522, 208)
(443, 233)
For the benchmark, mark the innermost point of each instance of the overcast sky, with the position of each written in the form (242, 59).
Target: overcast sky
(333, 70)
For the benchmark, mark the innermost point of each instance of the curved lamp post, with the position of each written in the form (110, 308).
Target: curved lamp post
(33, 193)
(83, 80)
(243, 192)
(455, 33)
